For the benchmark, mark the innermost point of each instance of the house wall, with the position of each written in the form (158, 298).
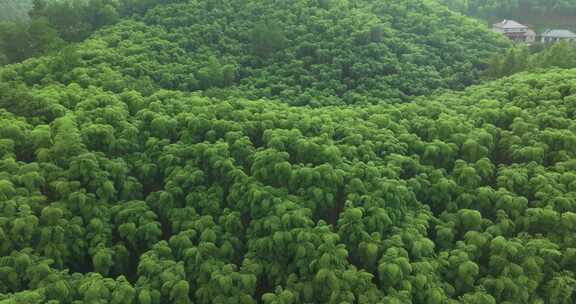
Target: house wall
(509, 30)
(556, 39)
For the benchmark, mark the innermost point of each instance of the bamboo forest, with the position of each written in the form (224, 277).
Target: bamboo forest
(285, 152)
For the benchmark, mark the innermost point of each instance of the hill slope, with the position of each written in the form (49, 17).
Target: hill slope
(14, 10)
(171, 198)
(112, 191)
(540, 15)
(303, 52)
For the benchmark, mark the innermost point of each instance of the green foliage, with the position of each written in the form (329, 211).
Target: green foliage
(120, 184)
(502, 9)
(75, 20)
(558, 55)
(15, 10)
(38, 27)
(467, 197)
(301, 52)
(267, 38)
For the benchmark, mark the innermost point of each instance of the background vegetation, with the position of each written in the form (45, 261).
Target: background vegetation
(162, 160)
(40, 27)
(524, 58)
(11, 10)
(497, 8)
(305, 53)
(540, 14)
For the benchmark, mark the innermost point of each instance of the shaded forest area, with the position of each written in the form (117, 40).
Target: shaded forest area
(505, 8)
(540, 15)
(523, 58)
(40, 27)
(11, 10)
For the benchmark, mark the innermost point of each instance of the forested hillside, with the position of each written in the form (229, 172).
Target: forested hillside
(539, 14)
(524, 58)
(41, 27)
(175, 198)
(256, 152)
(14, 10)
(303, 52)
(512, 7)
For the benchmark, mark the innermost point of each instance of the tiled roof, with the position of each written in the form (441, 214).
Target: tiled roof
(559, 34)
(510, 24)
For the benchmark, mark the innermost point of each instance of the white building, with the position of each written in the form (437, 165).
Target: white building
(552, 36)
(515, 31)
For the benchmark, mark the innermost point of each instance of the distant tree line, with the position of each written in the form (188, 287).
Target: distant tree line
(524, 58)
(53, 24)
(503, 8)
(14, 9)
